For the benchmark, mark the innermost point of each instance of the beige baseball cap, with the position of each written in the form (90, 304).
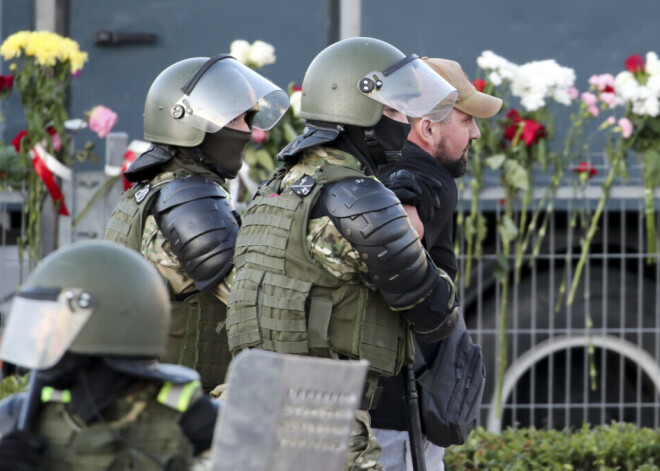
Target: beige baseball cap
(470, 101)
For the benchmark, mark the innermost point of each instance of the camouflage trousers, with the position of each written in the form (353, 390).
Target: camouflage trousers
(363, 449)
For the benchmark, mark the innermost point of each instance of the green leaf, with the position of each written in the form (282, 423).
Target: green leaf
(289, 133)
(515, 175)
(495, 161)
(250, 156)
(652, 167)
(265, 159)
(95, 198)
(502, 267)
(508, 229)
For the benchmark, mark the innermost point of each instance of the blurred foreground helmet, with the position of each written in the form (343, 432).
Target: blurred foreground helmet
(92, 297)
(201, 95)
(350, 81)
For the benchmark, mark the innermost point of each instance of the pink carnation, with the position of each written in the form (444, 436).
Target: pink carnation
(589, 98)
(259, 135)
(573, 92)
(603, 83)
(102, 120)
(626, 127)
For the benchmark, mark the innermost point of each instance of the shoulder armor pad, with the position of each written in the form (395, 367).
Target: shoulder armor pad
(188, 188)
(370, 217)
(352, 196)
(195, 216)
(148, 164)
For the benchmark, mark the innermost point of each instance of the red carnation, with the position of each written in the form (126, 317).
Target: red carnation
(479, 84)
(586, 167)
(532, 132)
(16, 142)
(6, 81)
(635, 63)
(296, 88)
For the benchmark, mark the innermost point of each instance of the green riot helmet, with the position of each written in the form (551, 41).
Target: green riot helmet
(350, 81)
(91, 297)
(201, 95)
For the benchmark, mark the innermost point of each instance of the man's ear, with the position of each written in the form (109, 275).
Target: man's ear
(428, 133)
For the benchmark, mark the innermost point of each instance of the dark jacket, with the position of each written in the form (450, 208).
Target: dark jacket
(436, 205)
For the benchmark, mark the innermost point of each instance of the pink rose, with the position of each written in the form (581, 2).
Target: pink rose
(626, 127)
(259, 135)
(102, 120)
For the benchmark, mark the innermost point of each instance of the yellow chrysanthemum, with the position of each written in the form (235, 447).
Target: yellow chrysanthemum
(46, 47)
(12, 46)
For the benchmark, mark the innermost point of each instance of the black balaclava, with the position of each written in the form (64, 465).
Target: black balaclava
(223, 151)
(374, 146)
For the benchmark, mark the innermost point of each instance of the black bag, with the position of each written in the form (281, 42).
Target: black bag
(451, 388)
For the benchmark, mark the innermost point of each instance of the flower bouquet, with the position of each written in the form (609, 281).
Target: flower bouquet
(43, 64)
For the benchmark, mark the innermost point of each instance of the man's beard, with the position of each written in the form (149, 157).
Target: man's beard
(458, 167)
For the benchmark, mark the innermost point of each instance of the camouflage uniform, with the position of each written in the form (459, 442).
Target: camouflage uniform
(329, 249)
(196, 339)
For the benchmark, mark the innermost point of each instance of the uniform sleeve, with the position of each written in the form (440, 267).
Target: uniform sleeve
(156, 248)
(332, 251)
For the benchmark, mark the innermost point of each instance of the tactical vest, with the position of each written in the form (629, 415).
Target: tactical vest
(142, 421)
(285, 302)
(193, 340)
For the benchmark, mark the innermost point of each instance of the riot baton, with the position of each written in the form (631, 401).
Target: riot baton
(31, 404)
(414, 421)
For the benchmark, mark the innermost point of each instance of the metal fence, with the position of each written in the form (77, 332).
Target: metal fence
(595, 361)
(552, 350)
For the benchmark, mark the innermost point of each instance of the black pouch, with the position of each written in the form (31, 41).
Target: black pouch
(451, 388)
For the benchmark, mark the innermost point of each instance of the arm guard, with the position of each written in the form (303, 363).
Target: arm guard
(195, 216)
(370, 217)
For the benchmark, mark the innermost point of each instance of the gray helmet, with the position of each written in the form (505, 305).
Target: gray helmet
(350, 81)
(92, 297)
(199, 95)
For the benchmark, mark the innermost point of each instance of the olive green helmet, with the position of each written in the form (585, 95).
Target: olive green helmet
(201, 94)
(92, 297)
(350, 81)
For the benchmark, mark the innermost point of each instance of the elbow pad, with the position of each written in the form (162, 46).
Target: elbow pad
(371, 218)
(196, 217)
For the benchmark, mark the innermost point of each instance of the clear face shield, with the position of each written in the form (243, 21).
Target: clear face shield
(43, 324)
(412, 87)
(222, 89)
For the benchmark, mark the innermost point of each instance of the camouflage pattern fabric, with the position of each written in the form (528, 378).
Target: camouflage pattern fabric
(326, 244)
(363, 450)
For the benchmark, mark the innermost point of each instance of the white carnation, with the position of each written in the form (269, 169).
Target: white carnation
(495, 79)
(652, 64)
(240, 50)
(537, 80)
(262, 54)
(626, 86)
(294, 102)
(653, 85)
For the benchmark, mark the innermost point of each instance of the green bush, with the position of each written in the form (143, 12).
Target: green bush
(618, 446)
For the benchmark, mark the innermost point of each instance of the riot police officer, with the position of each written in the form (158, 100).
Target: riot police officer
(198, 113)
(89, 322)
(327, 263)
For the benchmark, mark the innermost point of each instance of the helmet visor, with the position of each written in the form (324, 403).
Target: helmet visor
(43, 324)
(226, 90)
(412, 87)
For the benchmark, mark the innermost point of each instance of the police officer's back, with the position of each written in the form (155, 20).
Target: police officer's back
(89, 322)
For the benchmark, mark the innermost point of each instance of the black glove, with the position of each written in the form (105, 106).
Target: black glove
(416, 190)
(21, 451)
(404, 185)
